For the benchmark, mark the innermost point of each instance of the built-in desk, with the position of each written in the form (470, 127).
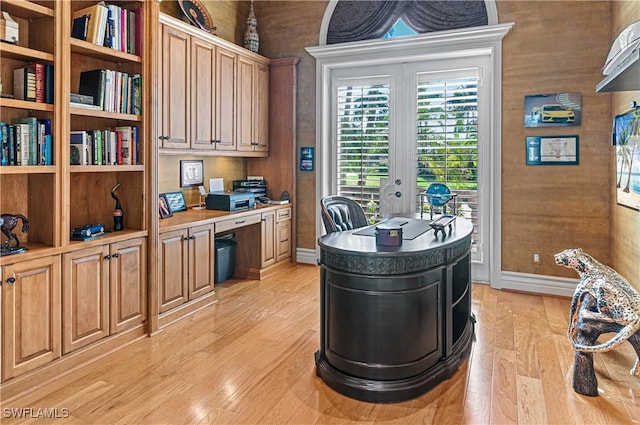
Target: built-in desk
(394, 321)
(186, 253)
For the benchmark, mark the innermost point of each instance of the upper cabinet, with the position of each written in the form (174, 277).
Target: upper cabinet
(214, 94)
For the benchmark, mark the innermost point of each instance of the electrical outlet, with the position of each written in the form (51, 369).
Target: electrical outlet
(536, 258)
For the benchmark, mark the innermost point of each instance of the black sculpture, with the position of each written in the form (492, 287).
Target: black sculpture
(7, 223)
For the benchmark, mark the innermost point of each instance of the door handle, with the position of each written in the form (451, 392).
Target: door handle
(398, 194)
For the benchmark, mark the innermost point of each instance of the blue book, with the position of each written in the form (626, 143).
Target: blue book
(48, 149)
(4, 144)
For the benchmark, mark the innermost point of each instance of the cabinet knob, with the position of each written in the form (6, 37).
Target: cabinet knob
(115, 255)
(107, 257)
(192, 237)
(11, 280)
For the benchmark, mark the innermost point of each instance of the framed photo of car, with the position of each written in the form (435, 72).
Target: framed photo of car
(552, 110)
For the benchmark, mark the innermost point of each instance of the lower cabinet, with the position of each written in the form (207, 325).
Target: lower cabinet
(30, 315)
(186, 265)
(283, 234)
(268, 255)
(103, 292)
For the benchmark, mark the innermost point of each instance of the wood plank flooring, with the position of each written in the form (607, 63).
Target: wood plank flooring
(249, 360)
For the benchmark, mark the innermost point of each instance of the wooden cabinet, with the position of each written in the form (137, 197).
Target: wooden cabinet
(30, 315)
(214, 95)
(268, 236)
(283, 234)
(186, 265)
(104, 292)
(253, 106)
(175, 79)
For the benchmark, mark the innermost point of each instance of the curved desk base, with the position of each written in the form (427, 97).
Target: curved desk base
(376, 391)
(394, 322)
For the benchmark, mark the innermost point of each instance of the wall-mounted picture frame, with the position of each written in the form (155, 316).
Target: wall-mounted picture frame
(307, 156)
(191, 173)
(626, 139)
(552, 150)
(176, 201)
(553, 110)
(163, 206)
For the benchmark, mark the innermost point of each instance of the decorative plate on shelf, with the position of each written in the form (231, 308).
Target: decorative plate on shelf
(197, 14)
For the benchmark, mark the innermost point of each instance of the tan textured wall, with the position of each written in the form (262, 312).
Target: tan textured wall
(285, 29)
(228, 16)
(625, 226)
(555, 47)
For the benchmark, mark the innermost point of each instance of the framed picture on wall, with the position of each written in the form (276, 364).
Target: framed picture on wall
(626, 139)
(191, 173)
(552, 110)
(552, 150)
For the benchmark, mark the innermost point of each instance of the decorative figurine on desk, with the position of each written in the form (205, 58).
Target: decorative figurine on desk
(118, 214)
(438, 195)
(7, 223)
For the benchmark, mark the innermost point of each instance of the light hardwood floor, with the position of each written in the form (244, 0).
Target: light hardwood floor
(249, 360)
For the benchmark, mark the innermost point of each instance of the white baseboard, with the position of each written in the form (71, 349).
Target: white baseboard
(541, 284)
(307, 256)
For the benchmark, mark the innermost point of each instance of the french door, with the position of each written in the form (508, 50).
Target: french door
(398, 128)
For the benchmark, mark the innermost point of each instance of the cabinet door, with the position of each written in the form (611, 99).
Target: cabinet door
(173, 270)
(201, 258)
(225, 99)
(30, 315)
(85, 295)
(175, 79)
(127, 284)
(283, 246)
(203, 56)
(268, 238)
(245, 104)
(261, 108)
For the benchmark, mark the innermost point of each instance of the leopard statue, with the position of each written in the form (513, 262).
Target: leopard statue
(602, 295)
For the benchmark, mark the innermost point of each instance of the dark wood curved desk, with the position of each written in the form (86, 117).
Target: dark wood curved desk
(395, 322)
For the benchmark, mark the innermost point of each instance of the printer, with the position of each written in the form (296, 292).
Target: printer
(230, 201)
(256, 186)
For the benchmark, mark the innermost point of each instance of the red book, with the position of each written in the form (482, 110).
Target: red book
(40, 82)
(118, 147)
(138, 31)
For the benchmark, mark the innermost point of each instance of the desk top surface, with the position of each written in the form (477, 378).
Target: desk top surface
(350, 241)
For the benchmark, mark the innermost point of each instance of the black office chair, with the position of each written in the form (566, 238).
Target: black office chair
(340, 213)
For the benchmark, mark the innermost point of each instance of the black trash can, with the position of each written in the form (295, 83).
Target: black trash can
(225, 258)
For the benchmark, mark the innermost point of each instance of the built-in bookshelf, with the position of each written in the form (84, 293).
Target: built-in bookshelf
(29, 187)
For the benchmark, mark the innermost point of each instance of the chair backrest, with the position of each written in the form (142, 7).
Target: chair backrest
(340, 213)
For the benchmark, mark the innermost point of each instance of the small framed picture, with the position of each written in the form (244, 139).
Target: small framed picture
(191, 173)
(552, 150)
(176, 202)
(163, 206)
(552, 110)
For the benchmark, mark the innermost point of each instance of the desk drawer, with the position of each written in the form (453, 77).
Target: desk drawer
(283, 214)
(234, 223)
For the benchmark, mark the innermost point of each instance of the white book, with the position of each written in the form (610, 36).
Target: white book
(126, 144)
(23, 132)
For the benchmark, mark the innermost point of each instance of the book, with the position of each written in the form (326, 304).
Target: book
(85, 106)
(48, 83)
(94, 14)
(22, 137)
(29, 140)
(19, 84)
(81, 98)
(125, 145)
(30, 82)
(40, 81)
(11, 141)
(138, 25)
(79, 28)
(48, 149)
(4, 144)
(92, 83)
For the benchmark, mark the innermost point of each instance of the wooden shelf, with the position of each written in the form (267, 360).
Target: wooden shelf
(100, 52)
(105, 168)
(13, 51)
(25, 104)
(104, 114)
(26, 9)
(27, 169)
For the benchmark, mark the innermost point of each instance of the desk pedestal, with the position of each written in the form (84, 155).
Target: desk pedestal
(395, 323)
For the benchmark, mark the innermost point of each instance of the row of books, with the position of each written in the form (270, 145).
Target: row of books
(116, 146)
(34, 82)
(113, 91)
(110, 26)
(26, 141)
